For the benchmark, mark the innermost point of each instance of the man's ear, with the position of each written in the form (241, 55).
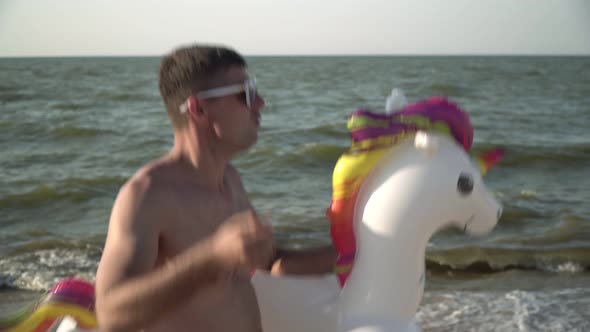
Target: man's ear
(194, 108)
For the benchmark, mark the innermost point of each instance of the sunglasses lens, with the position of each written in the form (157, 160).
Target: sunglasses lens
(251, 93)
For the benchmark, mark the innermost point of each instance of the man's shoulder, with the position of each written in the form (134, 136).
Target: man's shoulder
(155, 175)
(144, 181)
(142, 199)
(147, 184)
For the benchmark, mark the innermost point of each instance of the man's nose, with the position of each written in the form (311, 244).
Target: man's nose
(259, 102)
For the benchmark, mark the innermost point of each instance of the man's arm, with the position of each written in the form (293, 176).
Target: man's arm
(311, 261)
(304, 262)
(129, 293)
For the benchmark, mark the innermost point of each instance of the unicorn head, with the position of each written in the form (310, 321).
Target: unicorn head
(425, 183)
(407, 175)
(373, 135)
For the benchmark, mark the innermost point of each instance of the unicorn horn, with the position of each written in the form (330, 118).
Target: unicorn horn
(486, 160)
(396, 101)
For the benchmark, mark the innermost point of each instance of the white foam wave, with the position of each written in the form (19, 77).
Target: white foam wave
(42, 269)
(528, 194)
(565, 267)
(517, 310)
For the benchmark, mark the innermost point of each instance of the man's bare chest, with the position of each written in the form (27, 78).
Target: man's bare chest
(196, 218)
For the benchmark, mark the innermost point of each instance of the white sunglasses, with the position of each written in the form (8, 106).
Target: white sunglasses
(248, 87)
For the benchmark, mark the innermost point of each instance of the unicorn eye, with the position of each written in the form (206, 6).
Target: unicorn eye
(465, 184)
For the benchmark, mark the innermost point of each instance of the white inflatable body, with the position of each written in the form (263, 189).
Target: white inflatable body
(426, 183)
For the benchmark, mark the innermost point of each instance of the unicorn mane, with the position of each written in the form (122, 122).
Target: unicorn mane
(372, 135)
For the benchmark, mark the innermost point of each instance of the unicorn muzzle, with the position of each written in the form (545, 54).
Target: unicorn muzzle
(486, 219)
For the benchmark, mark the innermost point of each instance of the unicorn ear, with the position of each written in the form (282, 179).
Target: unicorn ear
(489, 159)
(425, 142)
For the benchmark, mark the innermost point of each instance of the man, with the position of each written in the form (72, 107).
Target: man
(183, 236)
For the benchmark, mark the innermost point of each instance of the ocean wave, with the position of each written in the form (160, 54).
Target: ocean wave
(535, 72)
(16, 96)
(4, 87)
(321, 152)
(37, 265)
(295, 157)
(477, 260)
(569, 229)
(72, 131)
(73, 189)
(447, 89)
(519, 214)
(528, 194)
(337, 130)
(53, 245)
(330, 130)
(121, 96)
(42, 194)
(563, 155)
(69, 105)
(306, 156)
(517, 155)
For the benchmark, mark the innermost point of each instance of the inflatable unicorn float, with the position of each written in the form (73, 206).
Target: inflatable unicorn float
(406, 175)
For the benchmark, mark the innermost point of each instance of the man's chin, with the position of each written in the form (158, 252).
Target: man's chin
(253, 142)
(249, 142)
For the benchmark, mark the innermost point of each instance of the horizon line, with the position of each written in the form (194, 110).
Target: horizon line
(314, 55)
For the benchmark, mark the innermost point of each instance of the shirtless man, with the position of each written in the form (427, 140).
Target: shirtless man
(183, 236)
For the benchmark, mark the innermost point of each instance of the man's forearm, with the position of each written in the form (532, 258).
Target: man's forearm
(304, 262)
(144, 300)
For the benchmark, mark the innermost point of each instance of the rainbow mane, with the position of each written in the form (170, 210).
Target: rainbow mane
(372, 135)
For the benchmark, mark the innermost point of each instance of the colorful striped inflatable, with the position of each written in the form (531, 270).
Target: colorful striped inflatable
(69, 297)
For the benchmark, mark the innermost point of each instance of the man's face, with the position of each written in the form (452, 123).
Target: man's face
(233, 123)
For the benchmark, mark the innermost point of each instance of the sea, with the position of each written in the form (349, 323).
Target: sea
(72, 130)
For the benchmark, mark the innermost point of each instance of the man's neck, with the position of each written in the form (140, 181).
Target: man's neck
(207, 164)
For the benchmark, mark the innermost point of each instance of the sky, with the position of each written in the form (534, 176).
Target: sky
(295, 27)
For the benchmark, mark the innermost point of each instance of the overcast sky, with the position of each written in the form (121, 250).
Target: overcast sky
(296, 27)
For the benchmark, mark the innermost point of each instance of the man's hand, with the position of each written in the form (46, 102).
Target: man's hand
(312, 261)
(243, 243)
